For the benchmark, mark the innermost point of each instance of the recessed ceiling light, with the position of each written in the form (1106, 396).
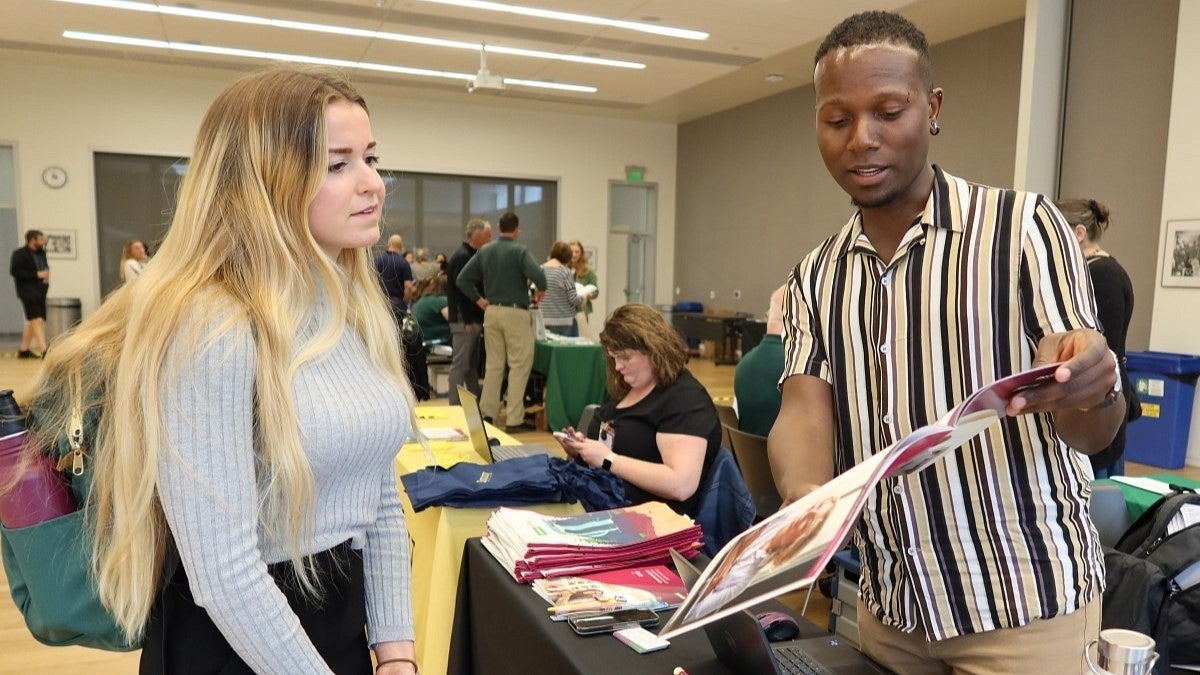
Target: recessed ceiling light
(192, 12)
(300, 58)
(577, 18)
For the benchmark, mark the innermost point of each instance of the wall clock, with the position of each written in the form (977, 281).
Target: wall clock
(54, 177)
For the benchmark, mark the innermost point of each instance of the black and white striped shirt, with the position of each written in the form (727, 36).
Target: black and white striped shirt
(997, 533)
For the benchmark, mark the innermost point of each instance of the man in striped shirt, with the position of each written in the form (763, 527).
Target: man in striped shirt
(986, 561)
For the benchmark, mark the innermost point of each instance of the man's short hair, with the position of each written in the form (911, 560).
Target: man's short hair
(474, 227)
(395, 242)
(874, 28)
(509, 222)
(30, 235)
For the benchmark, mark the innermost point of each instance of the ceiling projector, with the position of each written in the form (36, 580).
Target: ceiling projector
(485, 82)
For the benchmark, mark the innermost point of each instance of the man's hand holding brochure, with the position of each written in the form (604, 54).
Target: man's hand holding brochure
(791, 548)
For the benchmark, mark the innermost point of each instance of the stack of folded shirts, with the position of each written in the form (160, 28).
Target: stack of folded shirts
(521, 480)
(532, 546)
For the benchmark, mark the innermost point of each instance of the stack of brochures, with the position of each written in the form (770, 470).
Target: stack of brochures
(653, 587)
(533, 546)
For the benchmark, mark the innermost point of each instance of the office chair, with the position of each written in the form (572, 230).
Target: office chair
(751, 453)
(438, 355)
(1109, 512)
(586, 418)
(728, 417)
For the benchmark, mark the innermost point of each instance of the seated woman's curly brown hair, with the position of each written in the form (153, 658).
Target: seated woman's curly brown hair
(643, 329)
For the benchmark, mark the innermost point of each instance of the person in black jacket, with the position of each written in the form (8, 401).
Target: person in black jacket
(31, 274)
(466, 319)
(1114, 307)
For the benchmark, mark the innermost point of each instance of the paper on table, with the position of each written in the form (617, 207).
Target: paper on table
(1143, 483)
(443, 433)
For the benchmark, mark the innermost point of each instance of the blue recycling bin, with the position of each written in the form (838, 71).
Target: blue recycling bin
(1166, 385)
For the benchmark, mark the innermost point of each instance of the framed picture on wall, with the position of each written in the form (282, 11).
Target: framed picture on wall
(1181, 254)
(62, 244)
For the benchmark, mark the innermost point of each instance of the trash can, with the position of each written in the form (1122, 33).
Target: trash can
(61, 314)
(686, 307)
(1166, 385)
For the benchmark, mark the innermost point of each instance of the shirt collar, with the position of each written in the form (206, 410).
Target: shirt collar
(938, 213)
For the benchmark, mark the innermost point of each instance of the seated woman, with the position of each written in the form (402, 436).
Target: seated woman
(561, 301)
(659, 430)
(430, 310)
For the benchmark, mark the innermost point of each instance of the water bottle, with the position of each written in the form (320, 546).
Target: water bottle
(1122, 652)
(40, 492)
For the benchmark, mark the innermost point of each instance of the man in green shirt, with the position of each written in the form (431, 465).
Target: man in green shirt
(497, 280)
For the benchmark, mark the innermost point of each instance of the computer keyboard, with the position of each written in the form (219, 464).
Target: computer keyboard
(795, 661)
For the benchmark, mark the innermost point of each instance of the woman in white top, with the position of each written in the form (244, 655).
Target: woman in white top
(133, 259)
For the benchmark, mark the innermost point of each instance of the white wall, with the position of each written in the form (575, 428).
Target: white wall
(1175, 326)
(60, 111)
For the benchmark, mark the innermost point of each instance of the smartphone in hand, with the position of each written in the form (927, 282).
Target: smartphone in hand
(564, 437)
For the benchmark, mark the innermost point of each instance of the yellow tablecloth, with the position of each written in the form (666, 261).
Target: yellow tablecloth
(439, 533)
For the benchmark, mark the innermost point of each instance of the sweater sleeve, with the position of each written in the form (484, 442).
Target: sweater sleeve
(386, 565)
(210, 496)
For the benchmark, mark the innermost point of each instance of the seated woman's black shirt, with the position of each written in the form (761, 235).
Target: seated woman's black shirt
(683, 407)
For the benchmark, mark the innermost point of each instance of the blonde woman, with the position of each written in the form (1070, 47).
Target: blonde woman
(252, 424)
(133, 259)
(584, 274)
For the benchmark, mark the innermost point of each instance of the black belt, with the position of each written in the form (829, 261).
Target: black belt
(508, 304)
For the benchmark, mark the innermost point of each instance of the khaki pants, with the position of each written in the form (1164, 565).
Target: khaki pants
(508, 340)
(1044, 646)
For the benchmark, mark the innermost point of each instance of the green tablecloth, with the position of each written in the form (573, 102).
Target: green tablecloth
(1138, 500)
(574, 378)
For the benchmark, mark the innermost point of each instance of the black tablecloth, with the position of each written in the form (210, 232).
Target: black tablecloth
(501, 626)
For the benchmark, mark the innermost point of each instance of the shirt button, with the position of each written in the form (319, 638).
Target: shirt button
(912, 552)
(886, 281)
(887, 419)
(897, 490)
(884, 349)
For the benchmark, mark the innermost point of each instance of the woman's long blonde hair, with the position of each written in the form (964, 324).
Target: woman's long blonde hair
(581, 266)
(238, 251)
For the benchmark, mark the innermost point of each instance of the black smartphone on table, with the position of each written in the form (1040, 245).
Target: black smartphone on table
(591, 623)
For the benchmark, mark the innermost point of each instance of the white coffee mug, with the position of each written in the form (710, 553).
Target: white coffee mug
(1122, 652)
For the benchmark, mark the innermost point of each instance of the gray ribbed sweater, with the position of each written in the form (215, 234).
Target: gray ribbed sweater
(353, 420)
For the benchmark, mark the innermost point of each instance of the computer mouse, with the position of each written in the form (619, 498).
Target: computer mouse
(778, 627)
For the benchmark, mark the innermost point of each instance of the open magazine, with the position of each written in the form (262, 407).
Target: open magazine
(790, 549)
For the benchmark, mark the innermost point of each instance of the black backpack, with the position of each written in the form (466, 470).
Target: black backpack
(1153, 581)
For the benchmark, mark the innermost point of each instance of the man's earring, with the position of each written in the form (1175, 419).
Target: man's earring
(934, 129)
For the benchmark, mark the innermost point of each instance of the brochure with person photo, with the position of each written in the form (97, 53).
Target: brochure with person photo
(654, 587)
(791, 548)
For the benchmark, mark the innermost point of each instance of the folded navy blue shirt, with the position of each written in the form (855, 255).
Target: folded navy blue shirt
(540, 479)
